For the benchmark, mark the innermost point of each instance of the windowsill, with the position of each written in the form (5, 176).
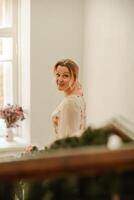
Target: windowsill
(12, 148)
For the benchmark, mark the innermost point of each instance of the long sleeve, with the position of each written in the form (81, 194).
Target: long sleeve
(70, 117)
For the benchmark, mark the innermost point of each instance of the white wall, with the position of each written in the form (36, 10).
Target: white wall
(109, 59)
(58, 29)
(56, 33)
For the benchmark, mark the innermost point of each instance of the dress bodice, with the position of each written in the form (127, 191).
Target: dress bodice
(69, 117)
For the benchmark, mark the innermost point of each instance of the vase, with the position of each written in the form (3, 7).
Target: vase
(9, 134)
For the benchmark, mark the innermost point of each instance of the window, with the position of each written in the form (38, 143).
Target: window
(8, 52)
(14, 63)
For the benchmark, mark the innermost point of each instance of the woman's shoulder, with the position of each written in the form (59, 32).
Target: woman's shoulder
(73, 100)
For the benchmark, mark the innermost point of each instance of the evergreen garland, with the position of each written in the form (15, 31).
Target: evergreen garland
(98, 187)
(103, 186)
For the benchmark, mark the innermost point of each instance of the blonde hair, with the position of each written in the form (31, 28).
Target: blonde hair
(71, 65)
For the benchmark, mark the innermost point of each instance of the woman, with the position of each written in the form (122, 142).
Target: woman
(69, 118)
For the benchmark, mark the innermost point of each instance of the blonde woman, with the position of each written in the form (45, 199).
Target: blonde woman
(69, 117)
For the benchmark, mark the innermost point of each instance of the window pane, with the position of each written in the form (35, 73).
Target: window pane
(5, 13)
(6, 92)
(6, 83)
(6, 49)
(2, 127)
(1, 85)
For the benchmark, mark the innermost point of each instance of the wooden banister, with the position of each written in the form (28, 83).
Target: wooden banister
(86, 160)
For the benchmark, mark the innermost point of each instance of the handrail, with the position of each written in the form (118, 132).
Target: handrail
(85, 160)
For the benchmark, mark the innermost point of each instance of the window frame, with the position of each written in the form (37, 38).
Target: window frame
(20, 33)
(24, 66)
(12, 31)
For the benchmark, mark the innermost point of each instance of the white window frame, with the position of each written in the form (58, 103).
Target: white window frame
(12, 32)
(21, 62)
(24, 65)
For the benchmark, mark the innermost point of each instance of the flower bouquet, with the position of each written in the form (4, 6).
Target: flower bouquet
(11, 115)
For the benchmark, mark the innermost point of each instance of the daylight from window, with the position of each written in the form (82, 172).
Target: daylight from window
(6, 54)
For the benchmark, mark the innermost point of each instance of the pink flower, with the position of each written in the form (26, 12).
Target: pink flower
(11, 114)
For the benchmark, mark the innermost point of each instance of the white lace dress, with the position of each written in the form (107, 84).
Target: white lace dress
(70, 117)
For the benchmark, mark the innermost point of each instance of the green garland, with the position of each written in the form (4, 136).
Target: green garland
(103, 186)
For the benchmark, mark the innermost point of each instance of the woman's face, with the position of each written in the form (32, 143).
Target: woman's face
(63, 78)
